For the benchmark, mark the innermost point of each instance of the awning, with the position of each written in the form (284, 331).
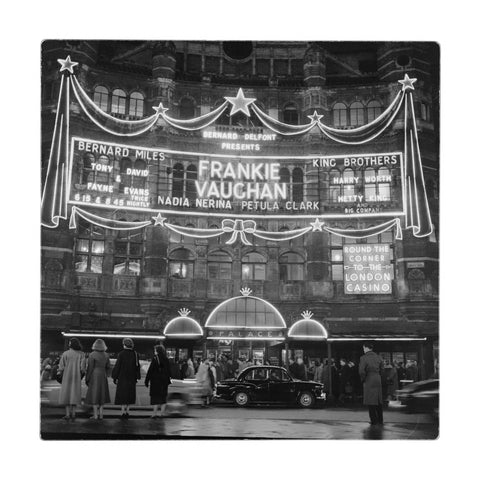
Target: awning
(102, 334)
(308, 329)
(183, 326)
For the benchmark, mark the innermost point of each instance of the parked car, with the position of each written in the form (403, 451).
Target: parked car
(420, 396)
(270, 385)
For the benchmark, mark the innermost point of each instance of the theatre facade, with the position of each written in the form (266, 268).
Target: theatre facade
(260, 199)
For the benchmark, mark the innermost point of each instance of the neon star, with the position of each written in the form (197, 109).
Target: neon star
(407, 83)
(160, 109)
(315, 118)
(317, 225)
(67, 64)
(159, 220)
(240, 103)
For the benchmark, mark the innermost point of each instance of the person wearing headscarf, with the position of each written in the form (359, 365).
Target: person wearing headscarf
(190, 371)
(96, 378)
(71, 368)
(158, 377)
(125, 375)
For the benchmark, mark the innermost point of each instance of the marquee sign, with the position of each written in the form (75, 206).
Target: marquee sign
(235, 183)
(367, 269)
(112, 175)
(246, 334)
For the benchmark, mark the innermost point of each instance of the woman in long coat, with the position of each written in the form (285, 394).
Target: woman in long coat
(158, 377)
(96, 378)
(370, 372)
(203, 379)
(125, 375)
(71, 368)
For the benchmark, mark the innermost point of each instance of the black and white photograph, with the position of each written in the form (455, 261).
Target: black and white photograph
(239, 239)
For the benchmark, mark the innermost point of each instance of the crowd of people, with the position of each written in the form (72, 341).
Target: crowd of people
(342, 381)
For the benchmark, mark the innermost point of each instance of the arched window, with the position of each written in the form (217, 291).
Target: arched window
(190, 187)
(177, 183)
(253, 267)
(181, 264)
(139, 181)
(219, 266)
(384, 183)
(100, 97)
(88, 159)
(284, 174)
(89, 247)
(374, 109)
(97, 176)
(128, 253)
(290, 114)
(349, 187)
(119, 102)
(291, 267)
(356, 114)
(186, 108)
(340, 115)
(297, 184)
(125, 165)
(334, 189)
(136, 105)
(370, 188)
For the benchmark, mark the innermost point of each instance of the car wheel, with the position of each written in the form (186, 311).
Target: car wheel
(306, 400)
(241, 399)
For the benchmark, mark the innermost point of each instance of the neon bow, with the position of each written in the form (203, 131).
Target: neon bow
(238, 227)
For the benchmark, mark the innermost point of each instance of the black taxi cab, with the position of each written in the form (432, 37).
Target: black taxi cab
(269, 384)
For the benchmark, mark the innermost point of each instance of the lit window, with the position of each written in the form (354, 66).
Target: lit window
(425, 111)
(181, 264)
(89, 247)
(374, 110)
(253, 267)
(334, 189)
(100, 97)
(340, 115)
(136, 105)
(128, 253)
(291, 267)
(356, 114)
(119, 102)
(219, 266)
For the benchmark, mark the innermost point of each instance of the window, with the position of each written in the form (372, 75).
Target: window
(186, 108)
(334, 186)
(88, 159)
(291, 267)
(374, 110)
(253, 267)
(290, 114)
(425, 111)
(89, 248)
(219, 266)
(139, 181)
(297, 185)
(100, 97)
(128, 253)
(377, 184)
(356, 114)
(258, 374)
(340, 115)
(177, 183)
(341, 184)
(181, 264)
(97, 176)
(136, 105)
(119, 102)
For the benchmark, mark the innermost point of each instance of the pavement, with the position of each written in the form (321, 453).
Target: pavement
(227, 422)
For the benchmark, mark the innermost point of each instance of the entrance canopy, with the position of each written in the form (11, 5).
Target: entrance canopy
(245, 313)
(308, 329)
(183, 326)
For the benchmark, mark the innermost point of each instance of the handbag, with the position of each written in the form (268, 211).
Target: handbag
(59, 376)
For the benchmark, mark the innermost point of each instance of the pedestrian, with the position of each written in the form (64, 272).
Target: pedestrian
(190, 370)
(242, 364)
(98, 369)
(125, 375)
(344, 381)
(204, 381)
(230, 372)
(370, 372)
(175, 369)
(317, 371)
(412, 371)
(357, 386)
(391, 380)
(71, 368)
(159, 378)
(401, 374)
(299, 370)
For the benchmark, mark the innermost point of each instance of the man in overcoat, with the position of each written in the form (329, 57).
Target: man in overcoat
(370, 372)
